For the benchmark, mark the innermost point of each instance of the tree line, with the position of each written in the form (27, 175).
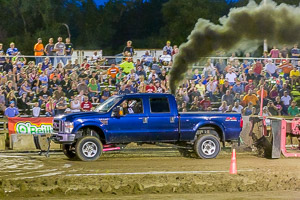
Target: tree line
(148, 23)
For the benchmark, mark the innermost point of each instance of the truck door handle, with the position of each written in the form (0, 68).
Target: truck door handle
(172, 119)
(145, 120)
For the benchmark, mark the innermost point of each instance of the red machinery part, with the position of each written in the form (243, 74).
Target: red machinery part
(295, 124)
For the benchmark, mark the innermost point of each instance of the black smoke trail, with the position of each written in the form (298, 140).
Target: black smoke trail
(279, 24)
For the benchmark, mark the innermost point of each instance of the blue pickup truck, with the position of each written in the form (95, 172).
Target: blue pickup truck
(144, 118)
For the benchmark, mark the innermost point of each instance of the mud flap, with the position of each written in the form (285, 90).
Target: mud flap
(276, 132)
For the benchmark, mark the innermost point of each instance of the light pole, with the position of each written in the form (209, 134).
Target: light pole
(66, 25)
(265, 40)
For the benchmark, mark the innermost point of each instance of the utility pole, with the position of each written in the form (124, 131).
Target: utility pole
(265, 40)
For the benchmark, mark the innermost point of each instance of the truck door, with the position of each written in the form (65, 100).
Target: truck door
(132, 125)
(163, 120)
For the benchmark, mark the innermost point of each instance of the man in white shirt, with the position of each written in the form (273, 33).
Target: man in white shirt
(237, 107)
(230, 77)
(165, 58)
(271, 69)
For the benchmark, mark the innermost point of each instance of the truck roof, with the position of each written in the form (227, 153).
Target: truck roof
(146, 94)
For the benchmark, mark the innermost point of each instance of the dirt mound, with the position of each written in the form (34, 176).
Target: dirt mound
(149, 184)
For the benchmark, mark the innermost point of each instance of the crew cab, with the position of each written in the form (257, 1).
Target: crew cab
(144, 118)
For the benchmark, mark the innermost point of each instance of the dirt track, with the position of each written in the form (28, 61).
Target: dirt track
(149, 173)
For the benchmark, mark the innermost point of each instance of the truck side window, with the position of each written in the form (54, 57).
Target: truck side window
(132, 106)
(159, 105)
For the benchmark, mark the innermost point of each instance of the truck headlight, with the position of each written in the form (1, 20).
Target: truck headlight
(69, 127)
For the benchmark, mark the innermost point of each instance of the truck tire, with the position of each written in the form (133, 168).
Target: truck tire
(88, 148)
(207, 146)
(69, 152)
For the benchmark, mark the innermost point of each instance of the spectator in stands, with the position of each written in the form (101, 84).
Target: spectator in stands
(165, 59)
(50, 51)
(286, 100)
(273, 93)
(293, 109)
(112, 72)
(105, 94)
(223, 108)
(295, 76)
(249, 110)
(69, 48)
(273, 109)
(2, 100)
(75, 105)
(59, 48)
(220, 66)
(7, 66)
(36, 110)
(60, 106)
(12, 50)
(82, 86)
(44, 96)
(93, 90)
(238, 87)
(271, 69)
(128, 48)
(150, 88)
(59, 93)
(250, 97)
(11, 111)
(147, 58)
(295, 54)
(257, 67)
(231, 77)
(237, 107)
(168, 48)
(11, 97)
(127, 66)
(86, 105)
(274, 53)
(228, 98)
(38, 51)
(23, 104)
(286, 67)
(205, 104)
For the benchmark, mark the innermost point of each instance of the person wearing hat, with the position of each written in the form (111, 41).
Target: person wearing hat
(38, 51)
(168, 48)
(11, 111)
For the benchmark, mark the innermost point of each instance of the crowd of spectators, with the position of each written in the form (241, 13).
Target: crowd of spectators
(54, 84)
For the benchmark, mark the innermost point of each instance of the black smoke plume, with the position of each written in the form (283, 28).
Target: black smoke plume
(279, 24)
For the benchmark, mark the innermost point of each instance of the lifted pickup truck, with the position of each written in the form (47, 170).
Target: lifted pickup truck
(144, 118)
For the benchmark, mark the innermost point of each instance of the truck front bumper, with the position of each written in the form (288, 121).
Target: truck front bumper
(63, 138)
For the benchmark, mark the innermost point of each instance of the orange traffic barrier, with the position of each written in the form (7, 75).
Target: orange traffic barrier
(233, 168)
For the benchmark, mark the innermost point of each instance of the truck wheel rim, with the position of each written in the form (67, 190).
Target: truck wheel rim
(89, 149)
(208, 147)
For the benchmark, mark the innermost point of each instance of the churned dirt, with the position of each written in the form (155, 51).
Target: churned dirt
(148, 173)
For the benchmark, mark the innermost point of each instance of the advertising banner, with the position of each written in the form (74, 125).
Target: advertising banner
(22, 125)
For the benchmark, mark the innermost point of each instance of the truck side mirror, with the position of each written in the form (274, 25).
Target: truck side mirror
(117, 112)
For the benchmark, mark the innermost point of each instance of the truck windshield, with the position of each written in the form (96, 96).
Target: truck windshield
(108, 104)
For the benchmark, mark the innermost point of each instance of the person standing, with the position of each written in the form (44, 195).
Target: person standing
(129, 49)
(68, 49)
(38, 51)
(49, 50)
(59, 47)
(11, 111)
(12, 51)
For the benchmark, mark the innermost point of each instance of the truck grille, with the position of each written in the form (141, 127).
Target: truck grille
(57, 126)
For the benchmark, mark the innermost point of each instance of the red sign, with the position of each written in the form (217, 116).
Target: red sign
(22, 125)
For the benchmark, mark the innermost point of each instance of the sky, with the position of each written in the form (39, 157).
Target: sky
(100, 2)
